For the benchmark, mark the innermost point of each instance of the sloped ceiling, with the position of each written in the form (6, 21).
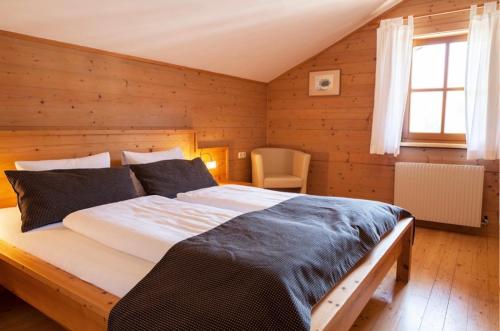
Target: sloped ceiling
(254, 39)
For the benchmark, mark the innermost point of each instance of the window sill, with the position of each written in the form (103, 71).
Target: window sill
(432, 145)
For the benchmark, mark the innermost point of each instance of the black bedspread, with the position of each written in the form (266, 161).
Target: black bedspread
(262, 270)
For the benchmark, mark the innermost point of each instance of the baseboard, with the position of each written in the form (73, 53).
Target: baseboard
(451, 228)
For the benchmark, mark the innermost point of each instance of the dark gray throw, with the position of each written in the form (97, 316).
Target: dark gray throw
(262, 270)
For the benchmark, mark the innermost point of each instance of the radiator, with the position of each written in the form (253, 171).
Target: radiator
(444, 193)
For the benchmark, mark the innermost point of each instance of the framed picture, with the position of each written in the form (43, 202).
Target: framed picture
(324, 83)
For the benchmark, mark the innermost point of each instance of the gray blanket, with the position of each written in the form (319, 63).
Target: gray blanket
(262, 270)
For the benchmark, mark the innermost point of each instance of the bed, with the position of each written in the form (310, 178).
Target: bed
(74, 294)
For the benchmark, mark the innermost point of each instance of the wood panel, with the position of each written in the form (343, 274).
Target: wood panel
(336, 129)
(60, 144)
(50, 84)
(448, 290)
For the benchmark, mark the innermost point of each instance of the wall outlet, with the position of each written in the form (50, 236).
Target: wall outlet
(242, 155)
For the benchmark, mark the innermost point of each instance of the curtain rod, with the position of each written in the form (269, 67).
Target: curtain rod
(446, 13)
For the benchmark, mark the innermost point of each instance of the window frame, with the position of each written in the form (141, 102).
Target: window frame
(441, 137)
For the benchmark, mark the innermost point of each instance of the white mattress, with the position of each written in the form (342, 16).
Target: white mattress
(104, 267)
(146, 227)
(236, 197)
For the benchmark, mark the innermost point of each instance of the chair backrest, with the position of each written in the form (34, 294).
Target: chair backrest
(276, 160)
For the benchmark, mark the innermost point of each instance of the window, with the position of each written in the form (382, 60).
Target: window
(436, 106)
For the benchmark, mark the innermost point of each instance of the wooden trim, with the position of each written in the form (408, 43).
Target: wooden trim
(450, 33)
(424, 144)
(449, 227)
(445, 92)
(439, 39)
(78, 305)
(437, 89)
(434, 137)
(48, 131)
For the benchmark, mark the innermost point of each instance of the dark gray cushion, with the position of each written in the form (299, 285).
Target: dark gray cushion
(46, 197)
(169, 177)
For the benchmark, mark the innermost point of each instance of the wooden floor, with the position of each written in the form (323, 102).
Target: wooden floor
(454, 287)
(16, 315)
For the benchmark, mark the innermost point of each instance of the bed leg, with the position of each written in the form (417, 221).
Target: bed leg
(404, 259)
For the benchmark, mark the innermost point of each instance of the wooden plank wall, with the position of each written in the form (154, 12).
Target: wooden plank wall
(336, 130)
(51, 84)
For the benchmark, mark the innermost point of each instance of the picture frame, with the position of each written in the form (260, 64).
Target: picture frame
(324, 82)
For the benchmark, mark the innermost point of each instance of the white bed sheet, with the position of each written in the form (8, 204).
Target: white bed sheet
(102, 266)
(105, 267)
(146, 227)
(239, 198)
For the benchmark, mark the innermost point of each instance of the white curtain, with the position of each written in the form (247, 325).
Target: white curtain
(394, 53)
(482, 87)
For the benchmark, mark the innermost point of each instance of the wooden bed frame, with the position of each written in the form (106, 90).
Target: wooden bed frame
(78, 305)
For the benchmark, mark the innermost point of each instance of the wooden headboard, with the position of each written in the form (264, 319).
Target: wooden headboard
(44, 144)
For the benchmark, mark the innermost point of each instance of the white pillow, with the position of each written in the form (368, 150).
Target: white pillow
(102, 160)
(141, 158)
